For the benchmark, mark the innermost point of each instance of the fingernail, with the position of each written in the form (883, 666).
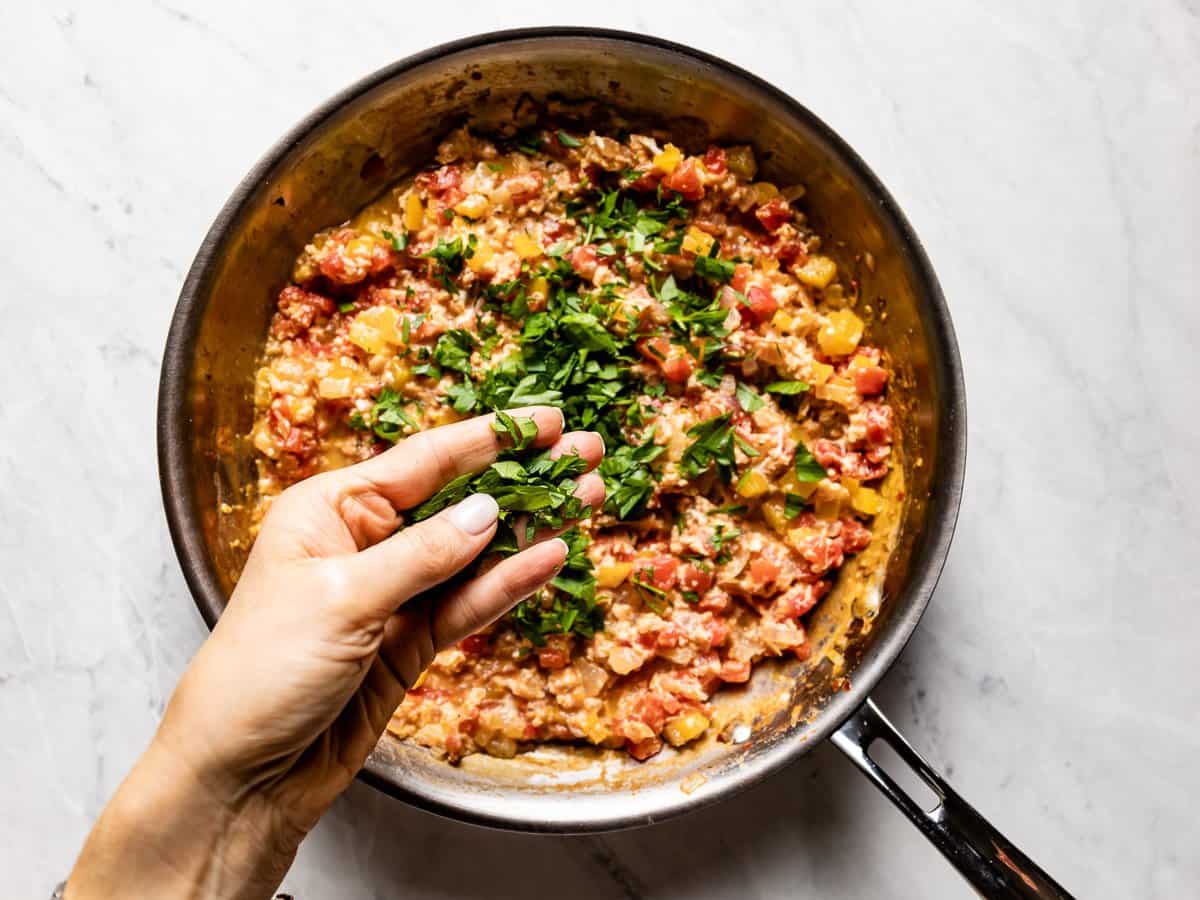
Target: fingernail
(603, 445)
(476, 514)
(566, 549)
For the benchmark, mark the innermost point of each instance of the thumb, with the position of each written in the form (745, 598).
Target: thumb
(421, 556)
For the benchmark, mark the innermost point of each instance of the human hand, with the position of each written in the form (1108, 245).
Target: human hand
(334, 617)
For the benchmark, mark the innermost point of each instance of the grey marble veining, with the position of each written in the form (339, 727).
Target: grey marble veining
(1048, 154)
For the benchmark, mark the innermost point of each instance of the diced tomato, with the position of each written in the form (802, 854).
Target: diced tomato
(584, 260)
(714, 161)
(475, 645)
(878, 418)
(741, 272)
(718, 633)
(646, 181)
(643, 750)
(774, 214)
(763, 570)
(552, 657)
(803, 651)
(855, 535)
(790, 253)
(298, 310)
(694, 578)
(300, 440)
(443, 183)
(555, 228)
(524, 187)
(663, 572)
(761, 304)
(685, 180)
(675, 364)
(870, 380)
(795, 602)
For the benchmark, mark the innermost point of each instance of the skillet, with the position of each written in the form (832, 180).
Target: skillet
(345, 154)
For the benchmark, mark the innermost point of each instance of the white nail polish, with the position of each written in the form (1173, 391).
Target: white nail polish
(476, 514)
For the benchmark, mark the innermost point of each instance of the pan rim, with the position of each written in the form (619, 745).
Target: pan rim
(183, 517)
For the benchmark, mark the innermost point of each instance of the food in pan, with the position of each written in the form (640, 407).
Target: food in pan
(669, 301)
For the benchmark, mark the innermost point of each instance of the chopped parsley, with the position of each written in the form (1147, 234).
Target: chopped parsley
(388, 418)
(399, 242)
(712, 446)
(808, 470)
(748, 399)
(786, 388)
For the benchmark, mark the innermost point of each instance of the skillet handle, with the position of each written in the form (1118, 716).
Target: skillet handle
(982, 855)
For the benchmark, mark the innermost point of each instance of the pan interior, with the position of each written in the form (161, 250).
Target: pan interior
(345, 156)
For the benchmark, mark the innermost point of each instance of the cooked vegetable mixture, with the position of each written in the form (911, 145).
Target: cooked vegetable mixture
(671, 303)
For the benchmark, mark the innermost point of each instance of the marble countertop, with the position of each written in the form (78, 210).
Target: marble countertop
(1048, 154)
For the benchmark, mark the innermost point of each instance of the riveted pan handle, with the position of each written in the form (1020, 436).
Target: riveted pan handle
(993, 866)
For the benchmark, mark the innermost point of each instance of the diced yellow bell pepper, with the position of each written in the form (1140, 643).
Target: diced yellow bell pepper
(752, 484)
(385, 320)
(819, 373)
(828, 509)
(866, 501)
(764, 192)
(775, 516)
(740, 161)
(334, 388)
(473, 206)
(447, 415)
(839, 391)
(400, 372)
(697, 241)
(841, 333)
(482, 256)
(414, 212)
(685, 728)
(539, 289)
(669, 159)
(782, 320)
(526, 247)
(817, 271)
(613, 574)
(793, 485)
(860, 362)
(363, 335)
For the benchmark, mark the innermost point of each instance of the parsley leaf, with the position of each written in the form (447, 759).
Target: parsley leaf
(567, 141)
(399, 242)
(719, 270)
(520, 430)
(748, 399)
(712, 446)
(808, 470)
(388, 418)
(786, 387)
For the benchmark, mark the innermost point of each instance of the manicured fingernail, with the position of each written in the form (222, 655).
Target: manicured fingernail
(476, 514)
(566, 550)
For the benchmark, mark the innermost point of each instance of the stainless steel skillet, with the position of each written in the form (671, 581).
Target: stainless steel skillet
(385, 126)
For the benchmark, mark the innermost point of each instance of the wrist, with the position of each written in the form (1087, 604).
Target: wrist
(171, 831)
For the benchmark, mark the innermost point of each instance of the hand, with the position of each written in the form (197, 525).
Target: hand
(334, 617)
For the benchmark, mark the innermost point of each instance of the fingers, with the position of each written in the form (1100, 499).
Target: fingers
(413, 470)
(419, 557)
(587, 444)
(471, 606)
(589, 489)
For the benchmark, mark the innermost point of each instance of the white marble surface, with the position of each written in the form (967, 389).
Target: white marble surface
(1048, 154)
